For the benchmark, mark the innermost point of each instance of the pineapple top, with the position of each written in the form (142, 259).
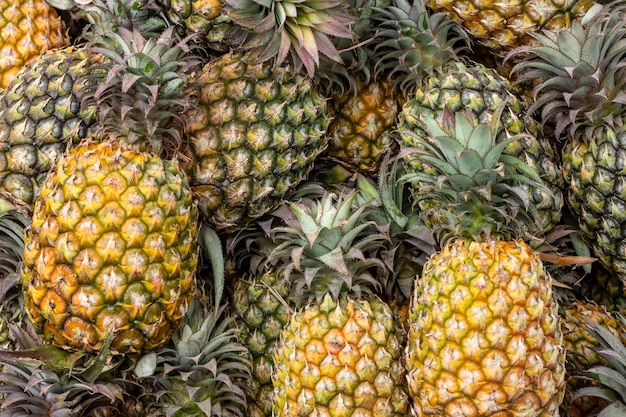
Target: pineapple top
(475, 189)
(581, 72)
(300, 29)
(413, 43)
(138, 90)
(328, 247)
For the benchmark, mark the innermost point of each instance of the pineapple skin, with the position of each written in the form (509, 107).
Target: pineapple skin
(255, 134)
(594, 177)
(484, 334)
(27, 28)
(42, 116)
(112, 248)
(505, 25)
(262, 311)
(361, 121)
(341, 358)
(205, 19)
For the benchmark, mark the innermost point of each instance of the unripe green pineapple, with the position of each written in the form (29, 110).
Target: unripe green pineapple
(255, 133)
(262, 308)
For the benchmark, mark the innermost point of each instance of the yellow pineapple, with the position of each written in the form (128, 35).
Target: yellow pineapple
(484, 334)
(111, 252)
(27, 28)
(340, 353)
(504, 25)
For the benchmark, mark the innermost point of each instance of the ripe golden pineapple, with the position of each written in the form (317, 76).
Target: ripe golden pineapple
(484, 333)
(507, 24)
(340, 353)
(27, 28)
(111, 253)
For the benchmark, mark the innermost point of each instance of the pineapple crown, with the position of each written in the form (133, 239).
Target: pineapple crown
(327, 247)
(300, 29)
(138, 90)
(477, 184)
(582, 72)
(107, 15)
(204, 369)
(413, 43)
(12, 225)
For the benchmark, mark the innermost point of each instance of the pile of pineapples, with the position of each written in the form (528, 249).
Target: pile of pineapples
(293, 208)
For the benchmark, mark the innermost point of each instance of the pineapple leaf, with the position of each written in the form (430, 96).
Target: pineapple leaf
(212, 245)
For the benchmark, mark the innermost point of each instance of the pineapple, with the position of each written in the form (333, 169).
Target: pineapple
(340, 353)
(609, 386)
(255, 132)
(484, 333)
(502, 26)
(42, 113)
(27, 28)
(111, 254)
(423, 54)
(361, 122)
(579, 91)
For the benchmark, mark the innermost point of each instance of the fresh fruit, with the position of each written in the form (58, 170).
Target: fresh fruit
(111, 253)
(42, 114)
(580, 86)
(484, 333)
(508, 24)
(255, 132)
(340, 353)
(423, 54)
(27, 28)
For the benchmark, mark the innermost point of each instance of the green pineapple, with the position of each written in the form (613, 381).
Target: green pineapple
(255, 133)
(484, 333)
(580, 84)
(340, 353)
(423, 53)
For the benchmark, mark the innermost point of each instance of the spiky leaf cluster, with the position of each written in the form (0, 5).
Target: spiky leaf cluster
(327, 246)
(582, 72)
(138, 93)
(475, 191)
(43, 380)
(611, 377)
(202, 371)
(413, 43)
(12, 226)
(302, 30)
